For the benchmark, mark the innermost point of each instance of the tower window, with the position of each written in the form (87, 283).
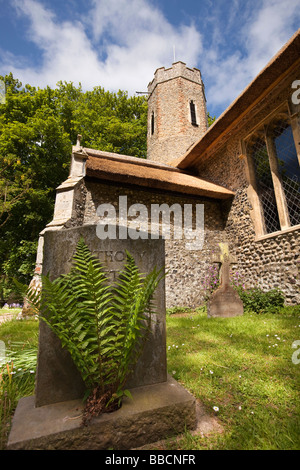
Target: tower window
(193, 113)
(152, 123)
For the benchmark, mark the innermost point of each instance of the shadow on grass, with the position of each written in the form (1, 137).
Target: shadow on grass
(244, 366)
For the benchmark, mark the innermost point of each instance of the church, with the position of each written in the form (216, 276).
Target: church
(243, 171)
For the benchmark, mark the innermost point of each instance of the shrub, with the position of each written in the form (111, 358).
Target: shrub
(258, 301)
(290, 310)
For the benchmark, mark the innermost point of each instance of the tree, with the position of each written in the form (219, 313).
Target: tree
(37, 130)
(112, 122)
(210, 119)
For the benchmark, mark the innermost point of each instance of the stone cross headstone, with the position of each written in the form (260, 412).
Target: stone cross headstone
(225, 301)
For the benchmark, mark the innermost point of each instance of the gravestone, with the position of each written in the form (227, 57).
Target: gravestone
(57, 377)
(225, 301)
(160, 408)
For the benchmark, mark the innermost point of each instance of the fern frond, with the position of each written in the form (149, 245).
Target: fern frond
(133, 294)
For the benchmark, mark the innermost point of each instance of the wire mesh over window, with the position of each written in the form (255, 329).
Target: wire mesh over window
(289, 169)
(258, 151)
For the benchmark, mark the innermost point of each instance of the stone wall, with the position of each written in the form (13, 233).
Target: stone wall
(270, 261)
(186, 268)
(267, 263)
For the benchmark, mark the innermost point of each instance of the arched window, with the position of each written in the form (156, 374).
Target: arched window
(283, 147)
(277, 173)
(257, 150)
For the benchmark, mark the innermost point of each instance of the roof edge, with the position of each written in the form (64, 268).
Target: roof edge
(156, 178)
(128, 159)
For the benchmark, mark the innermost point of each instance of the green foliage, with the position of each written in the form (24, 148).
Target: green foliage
(37, 130)
(210, 119)
(174, 310)
(21, 360)
(258, 301)
(112, 122)
(290, 310)
(17, 368)
(102, 326)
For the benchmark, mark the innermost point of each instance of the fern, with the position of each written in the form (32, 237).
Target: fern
(103, 326)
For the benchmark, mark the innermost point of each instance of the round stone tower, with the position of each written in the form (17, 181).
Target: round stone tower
(177, 115)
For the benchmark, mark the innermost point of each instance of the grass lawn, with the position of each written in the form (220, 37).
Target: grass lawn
(9, 311)
(20, 339)
(243, 366)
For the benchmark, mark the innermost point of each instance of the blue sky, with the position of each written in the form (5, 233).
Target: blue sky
(118, 44)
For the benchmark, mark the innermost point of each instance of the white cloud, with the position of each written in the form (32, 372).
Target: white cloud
(118, 44)
(270, 30)
(129, 40)
(66, 51)
(262, 34)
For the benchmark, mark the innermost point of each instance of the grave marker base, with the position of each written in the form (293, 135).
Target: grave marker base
(156, 412)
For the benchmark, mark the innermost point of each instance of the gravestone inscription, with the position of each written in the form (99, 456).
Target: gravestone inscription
(57, 378)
